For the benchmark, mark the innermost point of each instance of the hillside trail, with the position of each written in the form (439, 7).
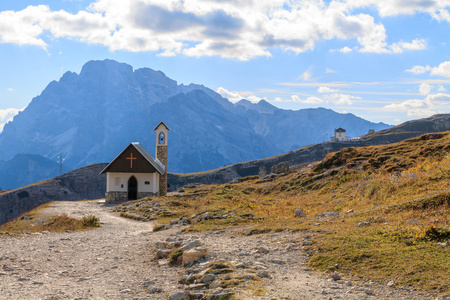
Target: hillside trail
(116, 261)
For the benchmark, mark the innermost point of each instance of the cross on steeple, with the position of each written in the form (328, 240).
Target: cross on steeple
(131, 158)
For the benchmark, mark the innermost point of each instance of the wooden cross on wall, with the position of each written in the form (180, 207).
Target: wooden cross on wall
(131, 158)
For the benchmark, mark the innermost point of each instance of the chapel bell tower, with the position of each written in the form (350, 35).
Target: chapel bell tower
(161, 154)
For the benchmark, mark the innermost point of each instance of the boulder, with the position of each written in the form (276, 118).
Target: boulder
(192, 255)
(179, 295)
(280, 168)
(299, 213)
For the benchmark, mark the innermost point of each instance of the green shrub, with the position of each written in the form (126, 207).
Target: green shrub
(90, 221)
(173, 257)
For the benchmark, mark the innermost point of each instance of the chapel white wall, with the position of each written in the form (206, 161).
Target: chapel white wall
(118, 182)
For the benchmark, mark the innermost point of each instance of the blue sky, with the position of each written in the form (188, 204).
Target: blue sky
(384, 60)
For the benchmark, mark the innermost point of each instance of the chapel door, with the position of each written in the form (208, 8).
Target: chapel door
(132, 188)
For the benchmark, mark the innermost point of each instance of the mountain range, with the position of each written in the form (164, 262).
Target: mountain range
(92, 116)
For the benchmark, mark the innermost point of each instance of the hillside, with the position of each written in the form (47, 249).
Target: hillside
(24, 169)
(83, 183)
(312, 153)
(378, 214)
(91, 116)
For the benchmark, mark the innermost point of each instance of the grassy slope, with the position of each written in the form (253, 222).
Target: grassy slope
(402, 189)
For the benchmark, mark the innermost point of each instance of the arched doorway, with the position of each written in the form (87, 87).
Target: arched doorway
(132, 188)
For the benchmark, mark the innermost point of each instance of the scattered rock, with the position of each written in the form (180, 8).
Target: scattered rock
(162, 253)
(208, 278)
(280, 168)
(299, 213)
(363, 224)
(262, 250)
(277, 261)
(307, 243)
(192, 255)
(179, 295)
(327, 214)
(219, 294)
(263, 274)
(446, 244)
(191, 245)
(390, 283)
(336, 276)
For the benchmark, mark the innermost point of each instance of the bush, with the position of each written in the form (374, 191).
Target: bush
(90, 221)
(173, 257)
(437, 234)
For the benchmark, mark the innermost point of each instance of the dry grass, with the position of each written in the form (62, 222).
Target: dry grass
(34, 221)
(402, 189)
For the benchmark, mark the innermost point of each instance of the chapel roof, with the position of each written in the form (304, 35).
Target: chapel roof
(159, 167)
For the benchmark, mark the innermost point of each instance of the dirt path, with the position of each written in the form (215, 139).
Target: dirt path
(116, 262)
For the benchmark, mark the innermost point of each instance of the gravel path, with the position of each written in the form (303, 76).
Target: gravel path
(116, 261)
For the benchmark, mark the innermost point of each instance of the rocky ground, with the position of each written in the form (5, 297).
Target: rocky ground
(125, 259)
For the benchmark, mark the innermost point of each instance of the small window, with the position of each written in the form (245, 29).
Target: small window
(161, 138)
(147, 182)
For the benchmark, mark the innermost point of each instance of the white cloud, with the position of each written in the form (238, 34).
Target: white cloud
(308, 100)
(435, 8)
(237, 96)
(253, 98)
(338, 99)
(442, 70)
(306, 75)
(230, 29)
(420, 107)
(441, 89)
(329, 71)
(425, 89)
(232, 96)
(10, 90)
(325, 89)
(7, 115)
(345, 50)
(419, 69)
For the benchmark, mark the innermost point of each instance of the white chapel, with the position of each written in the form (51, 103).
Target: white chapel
(135, 174)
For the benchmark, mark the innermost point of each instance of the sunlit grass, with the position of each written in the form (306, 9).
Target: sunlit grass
(402, 189)
(35, 221)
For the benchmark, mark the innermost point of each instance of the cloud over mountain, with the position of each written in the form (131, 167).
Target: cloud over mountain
(229, 29)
